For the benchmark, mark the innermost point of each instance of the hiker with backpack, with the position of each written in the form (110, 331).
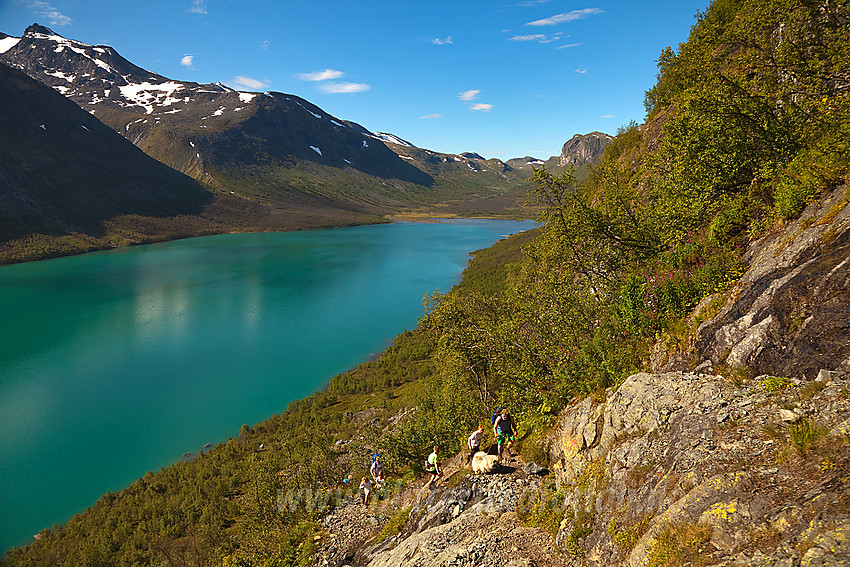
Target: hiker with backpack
(377, 471)
(503, 430)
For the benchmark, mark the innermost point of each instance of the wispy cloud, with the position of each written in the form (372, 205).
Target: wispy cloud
(186, 61)
(566, 17)
(198, 7)
(430, 116)
(266, 44)
(53, 15)
(530, 3)
(250, 83)
(538, 37)
(568, 45)
(335, 88)
(532, 37)
(608, 116)
(582, 70)
(480, 106)
(469, 95)
(325, 75)
(438, 41)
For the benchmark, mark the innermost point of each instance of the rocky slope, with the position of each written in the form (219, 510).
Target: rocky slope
(699, 465)
(465, 519)
(706, 467)
(790, 312)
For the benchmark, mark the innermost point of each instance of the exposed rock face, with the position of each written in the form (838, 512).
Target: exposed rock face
(472, 524)
(470, 521)
(789, 314)
(688, 450)
(587, 148)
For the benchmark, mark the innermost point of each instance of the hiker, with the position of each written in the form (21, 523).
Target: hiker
(503, 430)
(377, 470)
(366, 486)
(433, 466)
(474, 441)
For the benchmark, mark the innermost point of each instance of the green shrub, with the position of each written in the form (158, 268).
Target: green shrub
(776, 383)
(681, 544)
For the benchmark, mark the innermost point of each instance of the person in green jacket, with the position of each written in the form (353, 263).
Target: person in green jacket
(432, 466)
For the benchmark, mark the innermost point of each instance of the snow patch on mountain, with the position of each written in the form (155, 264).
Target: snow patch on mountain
(61, 75)
(247, 97)
(315, 149)
(8, 43)
(392, 139)
(147, 94)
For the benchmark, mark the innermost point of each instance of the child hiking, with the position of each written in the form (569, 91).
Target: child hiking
(474, 442)
(432, 466)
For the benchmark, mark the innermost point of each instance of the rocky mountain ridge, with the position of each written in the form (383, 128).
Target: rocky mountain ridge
(584, 148)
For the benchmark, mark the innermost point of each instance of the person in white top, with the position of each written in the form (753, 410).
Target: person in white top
(474, 441)
(366, 486)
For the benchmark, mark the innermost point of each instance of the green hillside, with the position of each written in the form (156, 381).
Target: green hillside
(747, 123)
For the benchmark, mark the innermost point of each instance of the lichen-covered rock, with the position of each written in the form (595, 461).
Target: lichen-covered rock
(681, 451)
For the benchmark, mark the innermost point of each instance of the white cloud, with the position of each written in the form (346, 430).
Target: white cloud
(321, 75)
(186, 61)
(198, 7)
(608, 116)
(53, 15)
(429, 116)
(568, 45)
(481, 106)
(527, 37)
(582, 70)
(266, 44)
(335, 88)
(469, 95)
(538, 37)
(438, 41)
(566, 17)
(250, 83)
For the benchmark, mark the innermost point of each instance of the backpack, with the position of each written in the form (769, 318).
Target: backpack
(496, 415)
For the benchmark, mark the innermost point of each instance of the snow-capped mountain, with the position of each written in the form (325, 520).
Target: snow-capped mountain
(216, 134)
(198, 128)
(270, 161)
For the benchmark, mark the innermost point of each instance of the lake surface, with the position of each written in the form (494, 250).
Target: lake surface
(116, 363)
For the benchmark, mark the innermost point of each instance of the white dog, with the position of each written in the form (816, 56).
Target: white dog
(483, 463)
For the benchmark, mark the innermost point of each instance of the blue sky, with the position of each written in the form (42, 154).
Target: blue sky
(501, 78)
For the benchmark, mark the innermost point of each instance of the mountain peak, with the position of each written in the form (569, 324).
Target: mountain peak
(584, 148)
(38, 29)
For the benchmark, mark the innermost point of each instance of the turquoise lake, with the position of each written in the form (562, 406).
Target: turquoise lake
(116, 363)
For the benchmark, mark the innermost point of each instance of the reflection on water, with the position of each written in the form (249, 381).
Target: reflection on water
(115, 363)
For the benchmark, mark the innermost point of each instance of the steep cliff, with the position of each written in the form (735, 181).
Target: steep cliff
(584, 148)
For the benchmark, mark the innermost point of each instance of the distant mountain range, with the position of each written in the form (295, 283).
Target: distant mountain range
(278, 160)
